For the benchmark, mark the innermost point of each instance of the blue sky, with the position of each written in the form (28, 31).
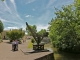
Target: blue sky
(15, 13)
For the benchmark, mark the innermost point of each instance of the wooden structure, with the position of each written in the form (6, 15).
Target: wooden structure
(37, 38)
(38, 47)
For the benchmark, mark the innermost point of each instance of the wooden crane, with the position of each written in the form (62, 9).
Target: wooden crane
(37, 38)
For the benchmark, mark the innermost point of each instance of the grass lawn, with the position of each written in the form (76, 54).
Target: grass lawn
(30, 44)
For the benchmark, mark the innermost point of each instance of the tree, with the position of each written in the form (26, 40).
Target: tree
(33, 28)
(1, 26)
(43, 32)
(2, 0)
(15, 34)
(65, 28)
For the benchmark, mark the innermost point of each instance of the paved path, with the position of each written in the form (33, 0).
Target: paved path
(6, 52)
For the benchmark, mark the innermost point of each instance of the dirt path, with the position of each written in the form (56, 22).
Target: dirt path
(6, 52)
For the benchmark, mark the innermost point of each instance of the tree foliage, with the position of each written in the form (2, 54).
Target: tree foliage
(32, 27)
(2, 0)
(43, 32)
(1, 26)
(65, 28)
(15, 34)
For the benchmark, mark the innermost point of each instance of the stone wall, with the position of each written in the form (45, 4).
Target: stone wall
(46, 57)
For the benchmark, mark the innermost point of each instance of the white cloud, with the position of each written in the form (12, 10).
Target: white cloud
(2, 20)
(4, 7)
(9, 22)
(8, 28)
(45, 17)
(24, 27)
(9, 15)
(39, 27)
(12, 27)
(15, 9)
(13, 2)
(51, 2)
(30, 1)
(33, 9)
(28, 16)
(58, 4)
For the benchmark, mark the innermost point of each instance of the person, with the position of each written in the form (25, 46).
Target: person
(13, 42)
(16, 45)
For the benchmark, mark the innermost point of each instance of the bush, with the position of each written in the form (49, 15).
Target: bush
(33, 40)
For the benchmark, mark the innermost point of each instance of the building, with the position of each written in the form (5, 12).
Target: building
(4, 36)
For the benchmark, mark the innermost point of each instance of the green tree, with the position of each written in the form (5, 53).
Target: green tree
(1, 26)
(65, 28)
(2, 0)
(15, 34)
(33, 28)
(43, 32)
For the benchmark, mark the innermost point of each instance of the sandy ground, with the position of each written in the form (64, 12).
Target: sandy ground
(6, 52)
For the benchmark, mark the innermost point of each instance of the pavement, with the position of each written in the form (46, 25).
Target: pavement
(23, 53)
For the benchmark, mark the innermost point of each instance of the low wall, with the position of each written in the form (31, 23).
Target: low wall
(46, 57)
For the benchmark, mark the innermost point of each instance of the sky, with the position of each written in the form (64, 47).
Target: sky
(15, 13)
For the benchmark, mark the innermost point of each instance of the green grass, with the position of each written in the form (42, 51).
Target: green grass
(30, 44)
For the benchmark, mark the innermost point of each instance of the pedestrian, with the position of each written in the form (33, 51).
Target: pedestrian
(16, 44)
(13, 42)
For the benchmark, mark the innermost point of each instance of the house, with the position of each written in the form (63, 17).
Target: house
(29, 37)
(4, 36)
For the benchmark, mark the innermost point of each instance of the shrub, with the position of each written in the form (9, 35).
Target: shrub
(33, 40)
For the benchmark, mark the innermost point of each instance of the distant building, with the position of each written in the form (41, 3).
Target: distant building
(4, 36)
(29, 37)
